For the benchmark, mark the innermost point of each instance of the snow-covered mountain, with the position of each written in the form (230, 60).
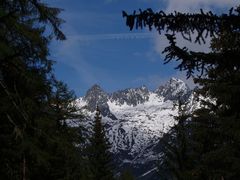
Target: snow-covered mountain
(135, 120)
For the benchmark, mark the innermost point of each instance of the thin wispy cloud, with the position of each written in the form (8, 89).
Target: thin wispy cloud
(68, 53)
(97, 37)
(193, 5)
(117, 36)
(110, 1)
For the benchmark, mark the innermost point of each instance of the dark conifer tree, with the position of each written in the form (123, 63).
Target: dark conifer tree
(177, 160)
(99, 155)
(126, 175)
(33, 106)
(66, 145)
(215, 128)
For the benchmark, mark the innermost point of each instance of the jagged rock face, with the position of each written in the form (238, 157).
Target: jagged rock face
(135, 120)
(131, 96)
(174, 89)
(94, 97)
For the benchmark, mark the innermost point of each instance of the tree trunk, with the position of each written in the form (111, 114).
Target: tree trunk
(24, 168)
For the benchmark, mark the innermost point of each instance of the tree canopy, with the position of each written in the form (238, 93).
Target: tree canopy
(98, 152)
(215, 127)
(34, 106)
(201, 24)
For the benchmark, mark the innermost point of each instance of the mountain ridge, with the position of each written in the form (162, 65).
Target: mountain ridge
(135, 119)
(171, 90)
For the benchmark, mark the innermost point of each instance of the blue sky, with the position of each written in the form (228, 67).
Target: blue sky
(100, 49)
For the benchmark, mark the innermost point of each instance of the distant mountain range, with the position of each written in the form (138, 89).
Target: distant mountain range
(135, 120)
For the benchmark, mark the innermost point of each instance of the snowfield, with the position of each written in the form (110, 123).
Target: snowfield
(135, 119)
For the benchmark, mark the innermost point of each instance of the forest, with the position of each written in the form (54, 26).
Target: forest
(37, 140)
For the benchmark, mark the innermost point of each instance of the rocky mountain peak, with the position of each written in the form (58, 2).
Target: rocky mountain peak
(135, 120)
(173, 90)
(95, 89)
(131, 96)
(144, 87)
(94, 97)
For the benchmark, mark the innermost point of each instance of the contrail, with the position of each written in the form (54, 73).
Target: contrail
(119, 36)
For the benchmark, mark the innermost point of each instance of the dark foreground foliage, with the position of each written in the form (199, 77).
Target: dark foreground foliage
(36, 142)
(100, 160)
(213, 144)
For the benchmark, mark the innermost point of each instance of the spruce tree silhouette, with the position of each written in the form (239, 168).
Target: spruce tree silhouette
(215, 128)
(99, 155)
